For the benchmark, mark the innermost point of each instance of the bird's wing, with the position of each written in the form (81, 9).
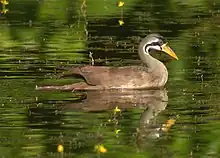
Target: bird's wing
(92, 74)
(110, 76)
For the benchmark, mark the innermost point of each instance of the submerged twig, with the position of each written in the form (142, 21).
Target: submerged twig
(91, 58)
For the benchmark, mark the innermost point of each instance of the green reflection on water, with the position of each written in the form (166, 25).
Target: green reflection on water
(38, 37)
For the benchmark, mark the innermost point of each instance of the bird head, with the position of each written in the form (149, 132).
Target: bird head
(156, 42)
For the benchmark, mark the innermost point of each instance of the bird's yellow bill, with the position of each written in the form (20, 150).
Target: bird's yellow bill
(168, 50)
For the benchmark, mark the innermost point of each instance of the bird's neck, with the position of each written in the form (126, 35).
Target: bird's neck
(151, 63)
(155, 67)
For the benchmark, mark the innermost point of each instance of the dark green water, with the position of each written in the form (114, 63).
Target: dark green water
(39, 38)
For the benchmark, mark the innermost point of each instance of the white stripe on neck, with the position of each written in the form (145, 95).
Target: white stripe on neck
(156, 47)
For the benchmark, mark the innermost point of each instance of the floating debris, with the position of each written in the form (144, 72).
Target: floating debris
(121, 4)
(121, 22)
(100, 148)
(117, 110)
(117, 131)
(60, 148)
(4, 2)
(4, 11)
(168, 125)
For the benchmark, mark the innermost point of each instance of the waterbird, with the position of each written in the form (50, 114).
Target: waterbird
(152, 73)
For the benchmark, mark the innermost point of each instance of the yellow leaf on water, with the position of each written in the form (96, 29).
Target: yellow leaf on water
(100, 148)
(4, 2)
(168, 124)
(121, 4)
(117, 109)
(117, 131)
(60, 148)
(121, 22)
(4, 11)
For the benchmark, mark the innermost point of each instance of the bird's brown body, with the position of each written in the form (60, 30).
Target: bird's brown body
(128, 77)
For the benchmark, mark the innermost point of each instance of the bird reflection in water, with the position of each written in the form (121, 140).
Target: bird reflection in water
(152, 102)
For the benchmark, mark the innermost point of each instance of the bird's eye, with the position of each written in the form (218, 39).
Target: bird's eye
(160, 42)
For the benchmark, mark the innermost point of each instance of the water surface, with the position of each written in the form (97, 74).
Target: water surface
(39, 39)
